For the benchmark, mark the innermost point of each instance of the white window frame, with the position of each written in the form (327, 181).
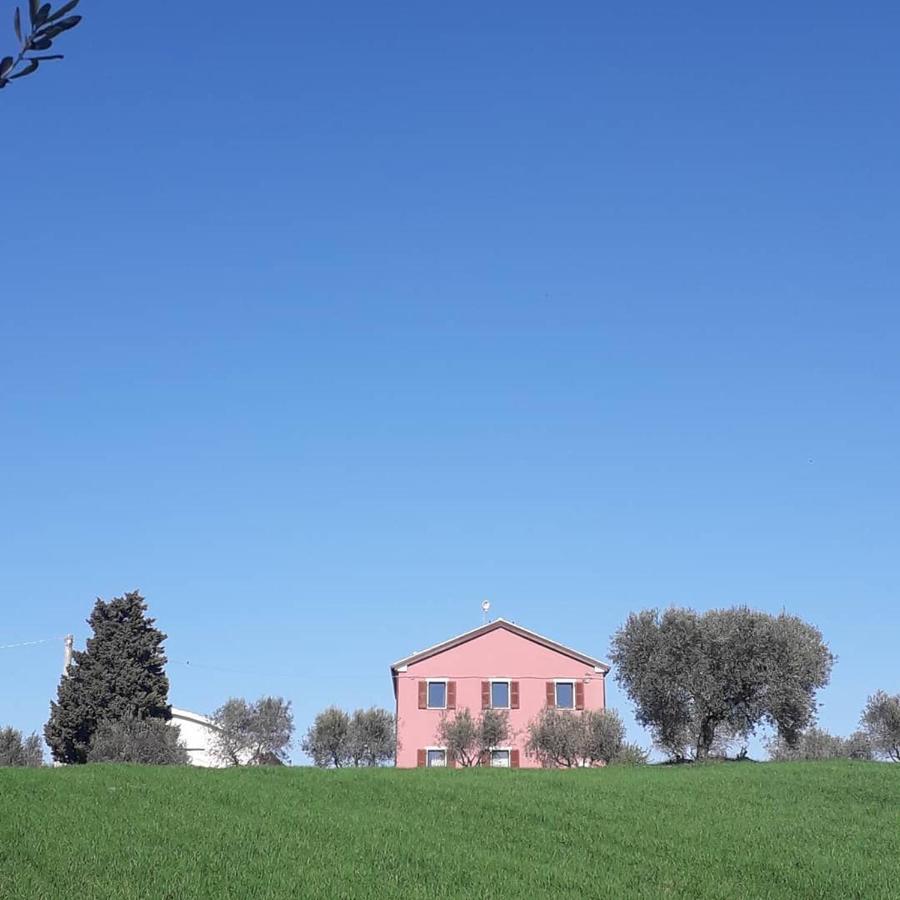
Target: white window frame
(507, 750)
(428, 683)
(508, 683)
(429, 750)
(556, 683)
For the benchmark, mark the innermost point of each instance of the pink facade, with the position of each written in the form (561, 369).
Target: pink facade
(501, 665)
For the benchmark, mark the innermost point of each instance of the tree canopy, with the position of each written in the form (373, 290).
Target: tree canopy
(120, 674)
(881, 723)
(700, 681)
(257, 733)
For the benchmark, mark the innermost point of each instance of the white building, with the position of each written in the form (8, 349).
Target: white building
(197, 736)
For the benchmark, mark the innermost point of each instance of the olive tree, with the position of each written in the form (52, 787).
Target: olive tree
(253, 734)
(17, 750)
(371, 737)
(327, 740)
(132, 740)
(469, 738)
(563, 739)
(881, 722)
(44, 25)
(699, 681)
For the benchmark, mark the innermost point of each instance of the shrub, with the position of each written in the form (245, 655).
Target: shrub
(16, 750)
(816, 744)
(131, 740)
(631, 755)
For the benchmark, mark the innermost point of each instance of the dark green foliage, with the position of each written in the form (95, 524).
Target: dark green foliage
(253, 734)
(881, 723)
(562, 739)
(793, 831)
(816, 743)
(46, 27)
(153, 742)
(701, 681)
(16, 750)
(468, 738)
(121, 674)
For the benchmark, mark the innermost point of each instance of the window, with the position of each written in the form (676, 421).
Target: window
(565, 694)
(436, 759)
(500, 695)
(500, 759)
(437, 695)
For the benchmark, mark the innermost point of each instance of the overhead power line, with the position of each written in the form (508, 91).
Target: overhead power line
(31, 643)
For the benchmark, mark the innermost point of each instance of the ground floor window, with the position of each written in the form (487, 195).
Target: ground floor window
(436, 759)
(500, 759)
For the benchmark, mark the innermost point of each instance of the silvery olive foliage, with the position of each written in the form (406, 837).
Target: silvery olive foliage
(45, 26)
(701, 681)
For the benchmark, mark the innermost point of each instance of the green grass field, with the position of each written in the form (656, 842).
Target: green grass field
(797, 830)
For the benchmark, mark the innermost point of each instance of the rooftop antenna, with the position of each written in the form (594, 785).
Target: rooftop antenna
(485, 606)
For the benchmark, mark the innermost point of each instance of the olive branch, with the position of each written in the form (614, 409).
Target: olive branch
(46, 26)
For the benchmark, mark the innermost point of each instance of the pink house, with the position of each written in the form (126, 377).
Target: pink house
(499, 665)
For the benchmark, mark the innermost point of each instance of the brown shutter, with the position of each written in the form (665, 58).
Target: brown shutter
(484, 759)
(485, 695)
(451, 695)
(451, 760)
(579, 695)
(514, 695)
(551, 694)
(420, 759)
(423, 695)
(514, 759)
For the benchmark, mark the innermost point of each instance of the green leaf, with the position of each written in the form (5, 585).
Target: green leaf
(6, 65)
(31, 67)
(42, 14)
(17, 22)
(63, 10)
(42, 44)
(33, 10)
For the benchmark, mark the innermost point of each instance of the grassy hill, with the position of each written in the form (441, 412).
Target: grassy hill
(798, 830)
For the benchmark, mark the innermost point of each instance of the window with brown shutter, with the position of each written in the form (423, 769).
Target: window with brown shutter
(579, 695)
(514, 695)
(423, 696)
(551, 694)
(420, 759)
(451, 695)
(514, 758)
(485, 695)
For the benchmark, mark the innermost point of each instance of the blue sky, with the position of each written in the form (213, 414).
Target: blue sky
(320, 329)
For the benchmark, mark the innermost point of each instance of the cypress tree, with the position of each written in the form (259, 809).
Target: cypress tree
(119, 675)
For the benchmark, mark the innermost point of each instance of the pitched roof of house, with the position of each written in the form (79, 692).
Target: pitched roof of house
(419, 655)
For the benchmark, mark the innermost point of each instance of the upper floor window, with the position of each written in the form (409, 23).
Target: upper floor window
(437, 694)
(500, 695)
(565, 694)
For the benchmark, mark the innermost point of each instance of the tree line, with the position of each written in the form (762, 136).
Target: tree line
(701, 683)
